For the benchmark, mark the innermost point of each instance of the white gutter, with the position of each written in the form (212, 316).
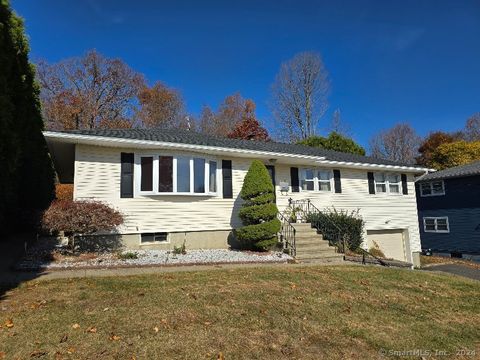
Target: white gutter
(110, 141)
(122, 141)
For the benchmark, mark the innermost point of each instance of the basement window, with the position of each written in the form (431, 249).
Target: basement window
(154, 237)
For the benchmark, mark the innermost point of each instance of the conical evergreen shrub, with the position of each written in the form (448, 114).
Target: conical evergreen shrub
(259, 211)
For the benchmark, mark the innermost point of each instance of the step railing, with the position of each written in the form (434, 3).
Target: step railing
(287, 235)
(335, 234)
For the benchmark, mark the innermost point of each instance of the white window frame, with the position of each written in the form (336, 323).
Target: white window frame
(155, 169)
(430, 184)
(387, 183)
(316, 180)
(436, 218)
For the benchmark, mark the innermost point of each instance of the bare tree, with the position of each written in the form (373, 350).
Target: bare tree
(299, 95)
(230, 112)
(399, 143)
(160, 106)
(472, 128)
(88, 92)
(338, 125)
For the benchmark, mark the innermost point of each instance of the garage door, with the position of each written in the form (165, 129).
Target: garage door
(390, 242)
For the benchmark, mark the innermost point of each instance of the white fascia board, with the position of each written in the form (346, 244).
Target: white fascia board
(119, 142)
(359, 165)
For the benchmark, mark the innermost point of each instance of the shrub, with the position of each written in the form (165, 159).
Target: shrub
(64, 192)
(80, 217)
(258, 212)
(128, 256)
(180, 250)
(350, 224)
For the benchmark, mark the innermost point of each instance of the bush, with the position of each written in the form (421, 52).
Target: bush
(128, 256)
(80, 217)
(351, 226)
(64, 192)
(258, 212)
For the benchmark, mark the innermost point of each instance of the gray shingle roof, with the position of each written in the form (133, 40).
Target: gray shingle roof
(454, 172)
(191, 137)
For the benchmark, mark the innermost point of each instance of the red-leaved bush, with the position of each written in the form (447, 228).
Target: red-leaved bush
(80, 217)
(64, 191)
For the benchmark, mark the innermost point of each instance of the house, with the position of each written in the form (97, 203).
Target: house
(449, 211)
(175, 186)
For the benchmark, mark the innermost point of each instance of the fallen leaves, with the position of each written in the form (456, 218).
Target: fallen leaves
(9, 323)
(64, 338)
(156, 329)
(2, 355)
(38, 353)
(114, 337)
(92, 330)
(75, 326)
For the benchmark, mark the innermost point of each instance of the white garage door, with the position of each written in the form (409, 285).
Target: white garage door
(390, 242)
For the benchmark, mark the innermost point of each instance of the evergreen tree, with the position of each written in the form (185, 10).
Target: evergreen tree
(259, 211)
(334, 141)
(27, 181)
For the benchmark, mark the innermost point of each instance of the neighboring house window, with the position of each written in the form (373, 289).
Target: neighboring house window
(183, 175)
(387, 183)
(433, 188)
(316, 180)
(436, 224)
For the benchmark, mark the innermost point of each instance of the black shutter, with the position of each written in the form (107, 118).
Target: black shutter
(371, 183)
(126, 175)
(227, 179)
(404, 184)
(337, 181)
(294, 179)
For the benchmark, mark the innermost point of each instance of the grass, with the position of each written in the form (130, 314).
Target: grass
(437, 260)
(250, 313)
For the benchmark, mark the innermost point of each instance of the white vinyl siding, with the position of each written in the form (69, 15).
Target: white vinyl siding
(97, 175)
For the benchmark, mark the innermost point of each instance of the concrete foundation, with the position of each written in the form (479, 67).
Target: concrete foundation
(222, 239)
(416, 259)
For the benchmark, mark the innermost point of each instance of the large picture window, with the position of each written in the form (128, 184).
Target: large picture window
(182, 175)
(316, 180)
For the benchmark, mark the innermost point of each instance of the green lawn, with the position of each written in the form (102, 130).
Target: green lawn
(251, 313)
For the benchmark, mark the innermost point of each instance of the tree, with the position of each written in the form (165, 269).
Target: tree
(249, 128)
(430, 145)
(258, 212)
(455, 154)
(88, 92)
(472, 128)
(338, 125)
(400, 143)
(229, 114)
(160, 106)
(334, 141)
(27, 177)
(299, 95)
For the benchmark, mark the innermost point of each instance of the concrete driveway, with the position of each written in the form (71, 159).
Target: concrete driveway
(456, 269)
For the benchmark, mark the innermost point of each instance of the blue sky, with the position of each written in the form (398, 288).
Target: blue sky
(415, 61)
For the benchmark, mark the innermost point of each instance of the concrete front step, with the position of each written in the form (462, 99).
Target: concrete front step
(311, 240)
(308, 236)
(328, 261)
(334, 256)
(308, 251)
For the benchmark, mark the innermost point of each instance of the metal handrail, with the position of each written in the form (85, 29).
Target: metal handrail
(339, 237)
(287, 234)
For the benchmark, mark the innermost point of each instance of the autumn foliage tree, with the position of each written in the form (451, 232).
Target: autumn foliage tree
(431, 143)
(249, 128)
(160, 106)
(472, 128)
(89, 92)
(455, 154)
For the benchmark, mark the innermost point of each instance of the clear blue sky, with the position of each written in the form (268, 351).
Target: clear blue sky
(415, 61)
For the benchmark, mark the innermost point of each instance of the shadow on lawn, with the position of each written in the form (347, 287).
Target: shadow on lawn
(12, 249)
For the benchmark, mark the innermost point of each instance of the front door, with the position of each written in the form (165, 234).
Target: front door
(271, 171)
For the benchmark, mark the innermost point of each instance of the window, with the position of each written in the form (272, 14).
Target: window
(433, 188)
(436, 224)
(308, 179)
(324, 182)
(146, 183)
(212, 180)
(387, 183)
(153, 237)
(316, 180)
(183, 175)
(165, 174)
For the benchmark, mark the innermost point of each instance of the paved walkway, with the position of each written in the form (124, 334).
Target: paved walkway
(456, 269)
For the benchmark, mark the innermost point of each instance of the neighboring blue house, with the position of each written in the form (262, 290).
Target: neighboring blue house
(449, 211)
